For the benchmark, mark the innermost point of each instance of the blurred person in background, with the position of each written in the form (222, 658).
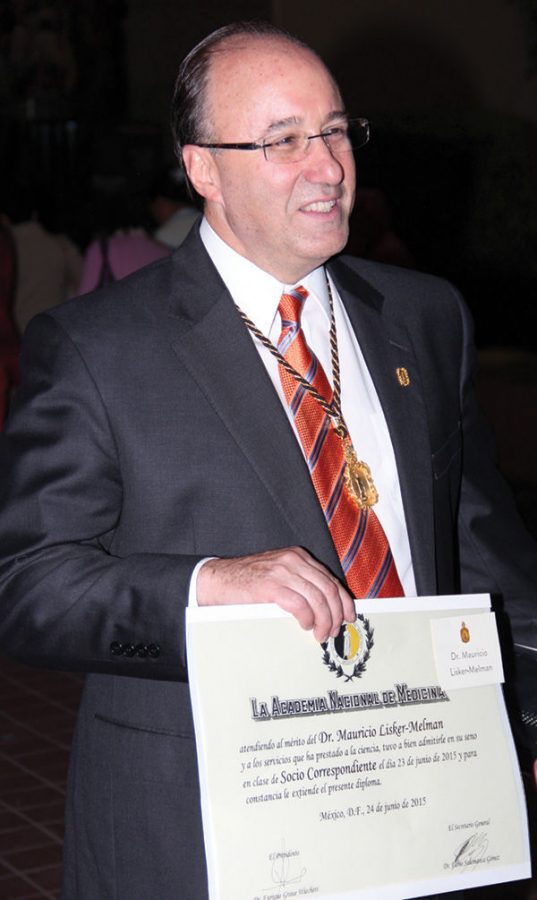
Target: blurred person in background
(172, 208)
(49, 265)
(121, 244)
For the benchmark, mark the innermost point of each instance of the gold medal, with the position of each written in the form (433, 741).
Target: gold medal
(358, 480)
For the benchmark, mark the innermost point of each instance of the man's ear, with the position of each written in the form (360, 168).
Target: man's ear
(202, 171)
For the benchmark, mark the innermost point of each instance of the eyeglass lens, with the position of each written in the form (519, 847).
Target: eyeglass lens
(294, 146)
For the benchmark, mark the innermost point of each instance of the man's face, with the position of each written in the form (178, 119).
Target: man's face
(287, 218)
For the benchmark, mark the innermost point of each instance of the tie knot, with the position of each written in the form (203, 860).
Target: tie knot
(290, 307)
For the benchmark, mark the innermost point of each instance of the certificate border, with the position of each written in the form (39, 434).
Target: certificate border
(255, 611)
(402, 891)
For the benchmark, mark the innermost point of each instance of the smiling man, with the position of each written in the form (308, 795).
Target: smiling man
(288, 218)
(255, 419)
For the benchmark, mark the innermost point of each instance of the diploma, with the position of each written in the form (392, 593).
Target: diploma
(379, 764)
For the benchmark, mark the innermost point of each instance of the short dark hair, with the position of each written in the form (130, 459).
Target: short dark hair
(189, 119)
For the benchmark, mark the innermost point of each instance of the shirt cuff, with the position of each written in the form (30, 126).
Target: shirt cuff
(192, 590)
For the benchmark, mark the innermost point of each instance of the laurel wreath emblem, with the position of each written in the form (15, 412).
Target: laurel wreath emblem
(359, 667)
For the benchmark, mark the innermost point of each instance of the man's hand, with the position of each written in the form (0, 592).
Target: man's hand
(291, 578)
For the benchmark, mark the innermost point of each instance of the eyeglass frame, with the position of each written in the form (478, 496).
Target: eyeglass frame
(254, 145)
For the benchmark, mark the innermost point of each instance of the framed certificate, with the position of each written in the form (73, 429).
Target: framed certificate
(379, 764)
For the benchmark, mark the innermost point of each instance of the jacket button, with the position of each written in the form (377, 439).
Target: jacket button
(116, 649)
(129, 649)
(154, 650)
(142, 650)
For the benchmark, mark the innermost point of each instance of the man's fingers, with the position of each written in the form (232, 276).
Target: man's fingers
(339, 600)
(329, 601)
(314, 606)
(289, 577)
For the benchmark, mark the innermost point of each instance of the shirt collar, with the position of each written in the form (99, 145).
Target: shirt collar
(255, 291)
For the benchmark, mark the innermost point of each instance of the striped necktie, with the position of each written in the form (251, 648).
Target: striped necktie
(358, 536)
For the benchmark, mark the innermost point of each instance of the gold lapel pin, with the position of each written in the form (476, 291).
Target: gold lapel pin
(402, 376)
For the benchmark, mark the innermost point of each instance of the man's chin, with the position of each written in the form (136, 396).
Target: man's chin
(329, 247)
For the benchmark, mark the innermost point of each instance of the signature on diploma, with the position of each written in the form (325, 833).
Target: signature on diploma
(471, 852)
(284, 867)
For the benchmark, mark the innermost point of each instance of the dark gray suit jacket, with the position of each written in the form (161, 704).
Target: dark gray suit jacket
(146, 436)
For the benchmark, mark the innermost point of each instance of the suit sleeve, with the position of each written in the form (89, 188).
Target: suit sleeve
(65, 600)
(496, 551)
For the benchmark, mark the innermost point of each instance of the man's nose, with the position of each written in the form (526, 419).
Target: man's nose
(321, 161)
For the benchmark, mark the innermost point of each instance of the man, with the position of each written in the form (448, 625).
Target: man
(153, 459)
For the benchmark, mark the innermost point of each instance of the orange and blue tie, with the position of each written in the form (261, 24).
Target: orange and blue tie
(357, 534)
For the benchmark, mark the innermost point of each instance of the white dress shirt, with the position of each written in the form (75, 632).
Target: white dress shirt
(258, 295)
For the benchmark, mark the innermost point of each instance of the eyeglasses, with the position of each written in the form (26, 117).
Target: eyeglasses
(292, 146)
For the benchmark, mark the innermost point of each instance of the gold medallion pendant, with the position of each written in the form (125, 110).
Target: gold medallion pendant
(358, 480)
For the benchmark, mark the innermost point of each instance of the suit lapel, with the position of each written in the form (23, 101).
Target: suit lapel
(211, 341)
(386, 347)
